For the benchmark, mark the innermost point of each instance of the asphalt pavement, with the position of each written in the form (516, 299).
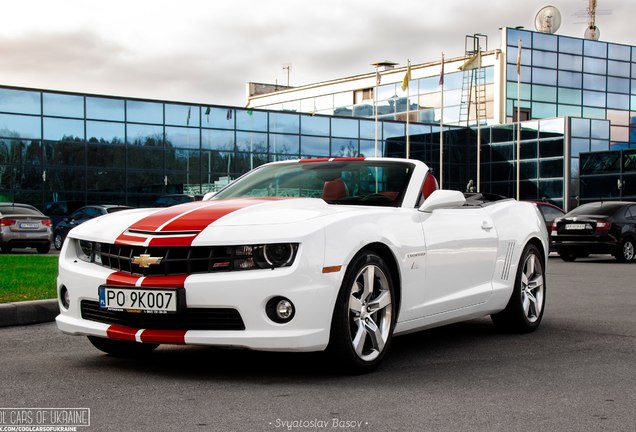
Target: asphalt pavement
(576, 373)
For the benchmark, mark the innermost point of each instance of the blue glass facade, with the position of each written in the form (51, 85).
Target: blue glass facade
(73, 147)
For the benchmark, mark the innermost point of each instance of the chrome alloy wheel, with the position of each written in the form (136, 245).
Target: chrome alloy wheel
(370, 312)
(532, 287)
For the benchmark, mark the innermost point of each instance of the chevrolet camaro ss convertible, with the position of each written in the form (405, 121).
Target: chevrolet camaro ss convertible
(336, 254)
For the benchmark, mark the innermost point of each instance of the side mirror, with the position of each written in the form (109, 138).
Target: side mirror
(443, 199)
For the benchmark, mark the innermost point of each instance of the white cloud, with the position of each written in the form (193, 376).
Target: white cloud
(206, 51)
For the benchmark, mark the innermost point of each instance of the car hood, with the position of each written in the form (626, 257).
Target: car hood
(169, 226)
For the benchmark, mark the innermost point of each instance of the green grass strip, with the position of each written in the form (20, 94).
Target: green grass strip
(27, 277)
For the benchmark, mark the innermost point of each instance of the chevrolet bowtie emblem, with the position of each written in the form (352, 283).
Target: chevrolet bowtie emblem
(145, 260)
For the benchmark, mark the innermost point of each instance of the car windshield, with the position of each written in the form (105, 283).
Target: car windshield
(360, 182)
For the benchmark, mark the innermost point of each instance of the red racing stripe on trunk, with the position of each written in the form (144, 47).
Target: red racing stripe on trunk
(121, 333)
(122, 279)
(164, 336)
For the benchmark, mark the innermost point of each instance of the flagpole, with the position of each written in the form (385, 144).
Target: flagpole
(407, 78)
(375, 107)
(518, 115)
(441, 128)
(478, 122)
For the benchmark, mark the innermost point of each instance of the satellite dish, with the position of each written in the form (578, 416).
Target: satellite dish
(592, 33)
(548, 20)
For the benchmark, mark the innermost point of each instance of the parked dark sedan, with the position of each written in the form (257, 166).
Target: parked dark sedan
(597, 228)
(22, 226)
(80, 216)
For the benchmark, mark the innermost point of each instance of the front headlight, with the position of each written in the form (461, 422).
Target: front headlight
(85, 250)
(266, 256)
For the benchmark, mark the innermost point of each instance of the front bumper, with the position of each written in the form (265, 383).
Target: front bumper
(312, 292)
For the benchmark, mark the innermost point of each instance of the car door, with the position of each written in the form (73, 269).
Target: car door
(461, 251)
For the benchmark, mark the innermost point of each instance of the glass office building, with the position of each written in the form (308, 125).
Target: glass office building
(576, 97)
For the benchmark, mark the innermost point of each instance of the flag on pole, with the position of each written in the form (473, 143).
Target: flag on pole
(472, 63)
(441, 73)
(519, 58)
(407, 76)
(378, 79)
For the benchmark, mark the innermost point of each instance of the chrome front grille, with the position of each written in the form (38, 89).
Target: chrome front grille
(174, 260)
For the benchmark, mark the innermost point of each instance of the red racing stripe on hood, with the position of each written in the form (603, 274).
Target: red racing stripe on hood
(191, 217)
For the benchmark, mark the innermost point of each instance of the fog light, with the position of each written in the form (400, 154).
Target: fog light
(280, 310)
(65, 298)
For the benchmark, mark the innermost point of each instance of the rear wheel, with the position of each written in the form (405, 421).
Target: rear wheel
(625, 252)
(525, 308)
(364, 316)
(6, 248)
(119, 348)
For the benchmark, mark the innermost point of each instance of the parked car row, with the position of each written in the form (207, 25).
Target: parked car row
(24, 226)
(595, 228)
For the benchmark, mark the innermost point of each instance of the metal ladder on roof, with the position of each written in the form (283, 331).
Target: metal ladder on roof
(473, 99)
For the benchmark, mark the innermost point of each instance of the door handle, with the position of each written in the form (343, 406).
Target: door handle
(486, 226)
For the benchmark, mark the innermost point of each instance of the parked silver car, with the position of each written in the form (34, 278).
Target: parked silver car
(22, 226)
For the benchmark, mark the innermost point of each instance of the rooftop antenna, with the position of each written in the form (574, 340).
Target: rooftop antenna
(592, 32)
(287, 67)
(548, 20)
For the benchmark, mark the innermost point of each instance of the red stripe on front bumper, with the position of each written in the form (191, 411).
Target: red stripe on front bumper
(164, 281)
(164, 336)
(121, 333)
(120, 278)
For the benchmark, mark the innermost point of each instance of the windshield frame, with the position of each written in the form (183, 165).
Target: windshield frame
(350, 171)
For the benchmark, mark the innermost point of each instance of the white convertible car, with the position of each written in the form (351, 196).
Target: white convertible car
(306, 255)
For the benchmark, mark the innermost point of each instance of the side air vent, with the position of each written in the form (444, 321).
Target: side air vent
(505, 274)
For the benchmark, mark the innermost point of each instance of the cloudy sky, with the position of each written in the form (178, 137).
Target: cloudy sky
(206, 51)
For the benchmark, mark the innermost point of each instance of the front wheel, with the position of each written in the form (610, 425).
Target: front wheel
(364, 317)
(625, 252)
(525, 308)
(125, 349)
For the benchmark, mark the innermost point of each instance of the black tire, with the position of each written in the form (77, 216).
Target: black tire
(44, 249)
(568, 256)
(360, 339)
(124, 349)
(525, 308)
(625, 252)
(58, 241)
(6, 249)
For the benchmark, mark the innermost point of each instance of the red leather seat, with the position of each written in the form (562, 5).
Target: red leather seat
(430, 185)
(334, 190)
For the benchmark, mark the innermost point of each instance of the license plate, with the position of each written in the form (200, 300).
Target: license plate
(138, 300)
(25, 225)
(575, 226)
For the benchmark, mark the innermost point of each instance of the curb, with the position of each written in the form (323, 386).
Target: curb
(28, 312)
